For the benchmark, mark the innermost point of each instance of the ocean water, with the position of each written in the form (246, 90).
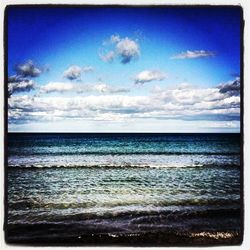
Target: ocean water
(63, 186)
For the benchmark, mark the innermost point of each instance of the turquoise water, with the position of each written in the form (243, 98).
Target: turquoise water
(123, 183)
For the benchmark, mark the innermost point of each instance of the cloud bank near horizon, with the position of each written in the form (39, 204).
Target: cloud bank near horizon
(185, 102)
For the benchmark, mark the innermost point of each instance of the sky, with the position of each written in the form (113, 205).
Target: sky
(117, 69)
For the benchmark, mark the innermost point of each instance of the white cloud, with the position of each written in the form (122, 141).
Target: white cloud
(193, 54)
(183, 104)
(104, 88)
(231, 88)
(149, 75)
(124, 48)
(127, 49)
(16, 78)
(73, 73)
(28, 69)
(21, 81)
(20, 86)
(56, 87)
(108, 57)
(23, 108)
(62, 87)
(87, 69)
(226, 125)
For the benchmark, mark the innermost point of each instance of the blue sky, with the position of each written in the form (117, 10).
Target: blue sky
(115, 69)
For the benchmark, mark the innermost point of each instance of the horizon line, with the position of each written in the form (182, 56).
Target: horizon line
(65, 132)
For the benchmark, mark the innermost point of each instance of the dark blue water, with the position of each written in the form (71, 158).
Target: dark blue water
(46, 150)
(123, 183)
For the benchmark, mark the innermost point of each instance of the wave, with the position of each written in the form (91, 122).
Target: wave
(121, 153)
(76, 165)
(127, 206)
(136, 220)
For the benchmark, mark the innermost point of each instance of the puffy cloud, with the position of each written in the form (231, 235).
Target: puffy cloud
(124, 48)
(149, 75)
(194, 54)
(74, 72)
(21, 82)
(22, 85)
(28, 69)
(232, 88)
(127, 49)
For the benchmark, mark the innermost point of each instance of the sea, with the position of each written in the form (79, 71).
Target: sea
(126, 189)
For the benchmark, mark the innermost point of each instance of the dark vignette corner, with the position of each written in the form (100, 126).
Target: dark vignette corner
(242, 26)
(5, 89)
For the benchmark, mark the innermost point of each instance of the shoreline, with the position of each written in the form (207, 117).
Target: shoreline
(134, 239)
